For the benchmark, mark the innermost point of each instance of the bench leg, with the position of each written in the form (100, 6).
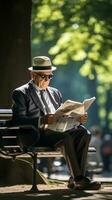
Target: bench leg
(34, 188)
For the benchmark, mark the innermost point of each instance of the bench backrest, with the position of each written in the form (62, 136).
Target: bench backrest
(5, 113)
(9, 144)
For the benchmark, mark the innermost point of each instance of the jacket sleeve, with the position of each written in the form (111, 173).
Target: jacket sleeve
(19, 110)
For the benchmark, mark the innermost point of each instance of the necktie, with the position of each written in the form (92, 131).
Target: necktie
(42, 94)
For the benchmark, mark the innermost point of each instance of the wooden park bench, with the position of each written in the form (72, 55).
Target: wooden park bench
(10, 146)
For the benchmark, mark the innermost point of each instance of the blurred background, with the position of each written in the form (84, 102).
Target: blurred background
(77, 36)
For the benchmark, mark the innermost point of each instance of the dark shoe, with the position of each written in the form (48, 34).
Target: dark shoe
(87, 184)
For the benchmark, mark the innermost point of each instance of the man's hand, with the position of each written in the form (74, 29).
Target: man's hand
(83, 118)
(48, 119)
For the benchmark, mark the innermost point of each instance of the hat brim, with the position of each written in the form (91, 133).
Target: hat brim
(53, 68)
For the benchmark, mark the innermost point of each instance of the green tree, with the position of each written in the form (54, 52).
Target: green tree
(79, 30)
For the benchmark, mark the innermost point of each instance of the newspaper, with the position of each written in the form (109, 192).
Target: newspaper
(67, 115)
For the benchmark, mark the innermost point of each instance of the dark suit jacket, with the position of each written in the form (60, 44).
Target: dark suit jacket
(27, 106)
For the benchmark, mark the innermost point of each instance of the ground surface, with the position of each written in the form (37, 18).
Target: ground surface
(54, 192)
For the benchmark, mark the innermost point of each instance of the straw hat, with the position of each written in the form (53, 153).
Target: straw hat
(42, 63)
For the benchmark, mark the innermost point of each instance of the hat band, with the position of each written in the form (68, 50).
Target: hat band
(41, 67)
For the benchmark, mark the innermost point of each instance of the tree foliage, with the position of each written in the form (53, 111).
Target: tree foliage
(79, 30)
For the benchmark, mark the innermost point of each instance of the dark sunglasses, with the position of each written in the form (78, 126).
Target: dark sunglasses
(44, 76)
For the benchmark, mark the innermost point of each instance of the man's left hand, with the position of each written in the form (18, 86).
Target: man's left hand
(83, 118)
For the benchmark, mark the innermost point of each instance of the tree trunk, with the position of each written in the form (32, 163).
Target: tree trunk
(15, 48)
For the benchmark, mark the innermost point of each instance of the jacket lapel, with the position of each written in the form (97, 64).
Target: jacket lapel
(35, 97)
(56, 105)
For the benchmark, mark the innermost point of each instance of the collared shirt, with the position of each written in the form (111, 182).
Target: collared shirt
(50, 107)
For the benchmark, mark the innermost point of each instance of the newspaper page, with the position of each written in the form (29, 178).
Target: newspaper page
(67, 115)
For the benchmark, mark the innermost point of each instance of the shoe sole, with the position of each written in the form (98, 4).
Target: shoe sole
(88, 188)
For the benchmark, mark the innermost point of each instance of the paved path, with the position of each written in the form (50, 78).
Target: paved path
(54, 192)
(59, 191)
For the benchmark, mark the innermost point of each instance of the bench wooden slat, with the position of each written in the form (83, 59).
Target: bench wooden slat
(12, 146)
(9, 128)
(9, 137)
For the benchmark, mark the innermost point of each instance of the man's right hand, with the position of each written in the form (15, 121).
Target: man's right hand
(48, 119)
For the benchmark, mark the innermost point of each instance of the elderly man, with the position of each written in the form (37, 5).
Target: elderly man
(34, 104)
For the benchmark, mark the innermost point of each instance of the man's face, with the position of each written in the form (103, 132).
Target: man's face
(42, 79)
